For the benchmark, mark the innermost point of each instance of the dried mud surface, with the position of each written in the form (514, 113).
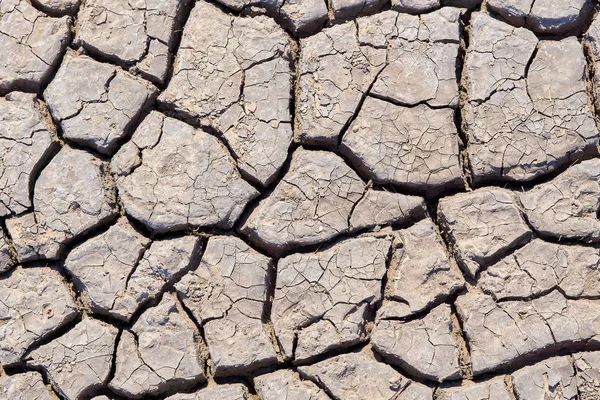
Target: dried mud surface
(299, 200)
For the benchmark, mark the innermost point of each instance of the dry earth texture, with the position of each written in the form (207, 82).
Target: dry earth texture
(299, 200)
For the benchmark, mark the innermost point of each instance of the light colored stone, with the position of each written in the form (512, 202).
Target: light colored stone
(226, 294)
(482, 226)
(28, 385)
(34, 302)
(553, 378)
(303, 17)
(539, 267)
(380, 207)
(72, 196)
(346, 9)
(186, 179)
(424, 347)
(32, 44)
(493, 389)
(415, 6)
(119, 271)
(421, 273)
(566, 207)
(323, 299)
(232, 391)
(528, 112)
(124, 32)
(310, 205)
(79, 361)
(160, 352)
(102, 101)
(57, 7)
(234, 75)
(416, 148)
(27, 142)
(286, 384)
(356, 376)
(504, 334)
(545, 16)
(461, 3)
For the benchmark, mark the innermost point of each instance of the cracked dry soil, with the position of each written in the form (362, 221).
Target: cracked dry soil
(299, 200)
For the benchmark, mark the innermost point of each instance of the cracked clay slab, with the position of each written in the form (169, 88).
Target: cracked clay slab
(310, 205)
(506, 333)
(425, 347)
(139, 33)
(34, 303)
(539, 267)
(322, 300)
(234, 74)
(73, 195)
(28, 385)
(421, 273)
(545, 16)
(227, 294)
(80, 360)
(356, 376)
(482, 225)
(32, 44)
(528, 114)
(27, 142)
(286, 384)
(410, 147)
(566, 207)
(101, 103)
(173, 176)
(159, 353)
(120, 271)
